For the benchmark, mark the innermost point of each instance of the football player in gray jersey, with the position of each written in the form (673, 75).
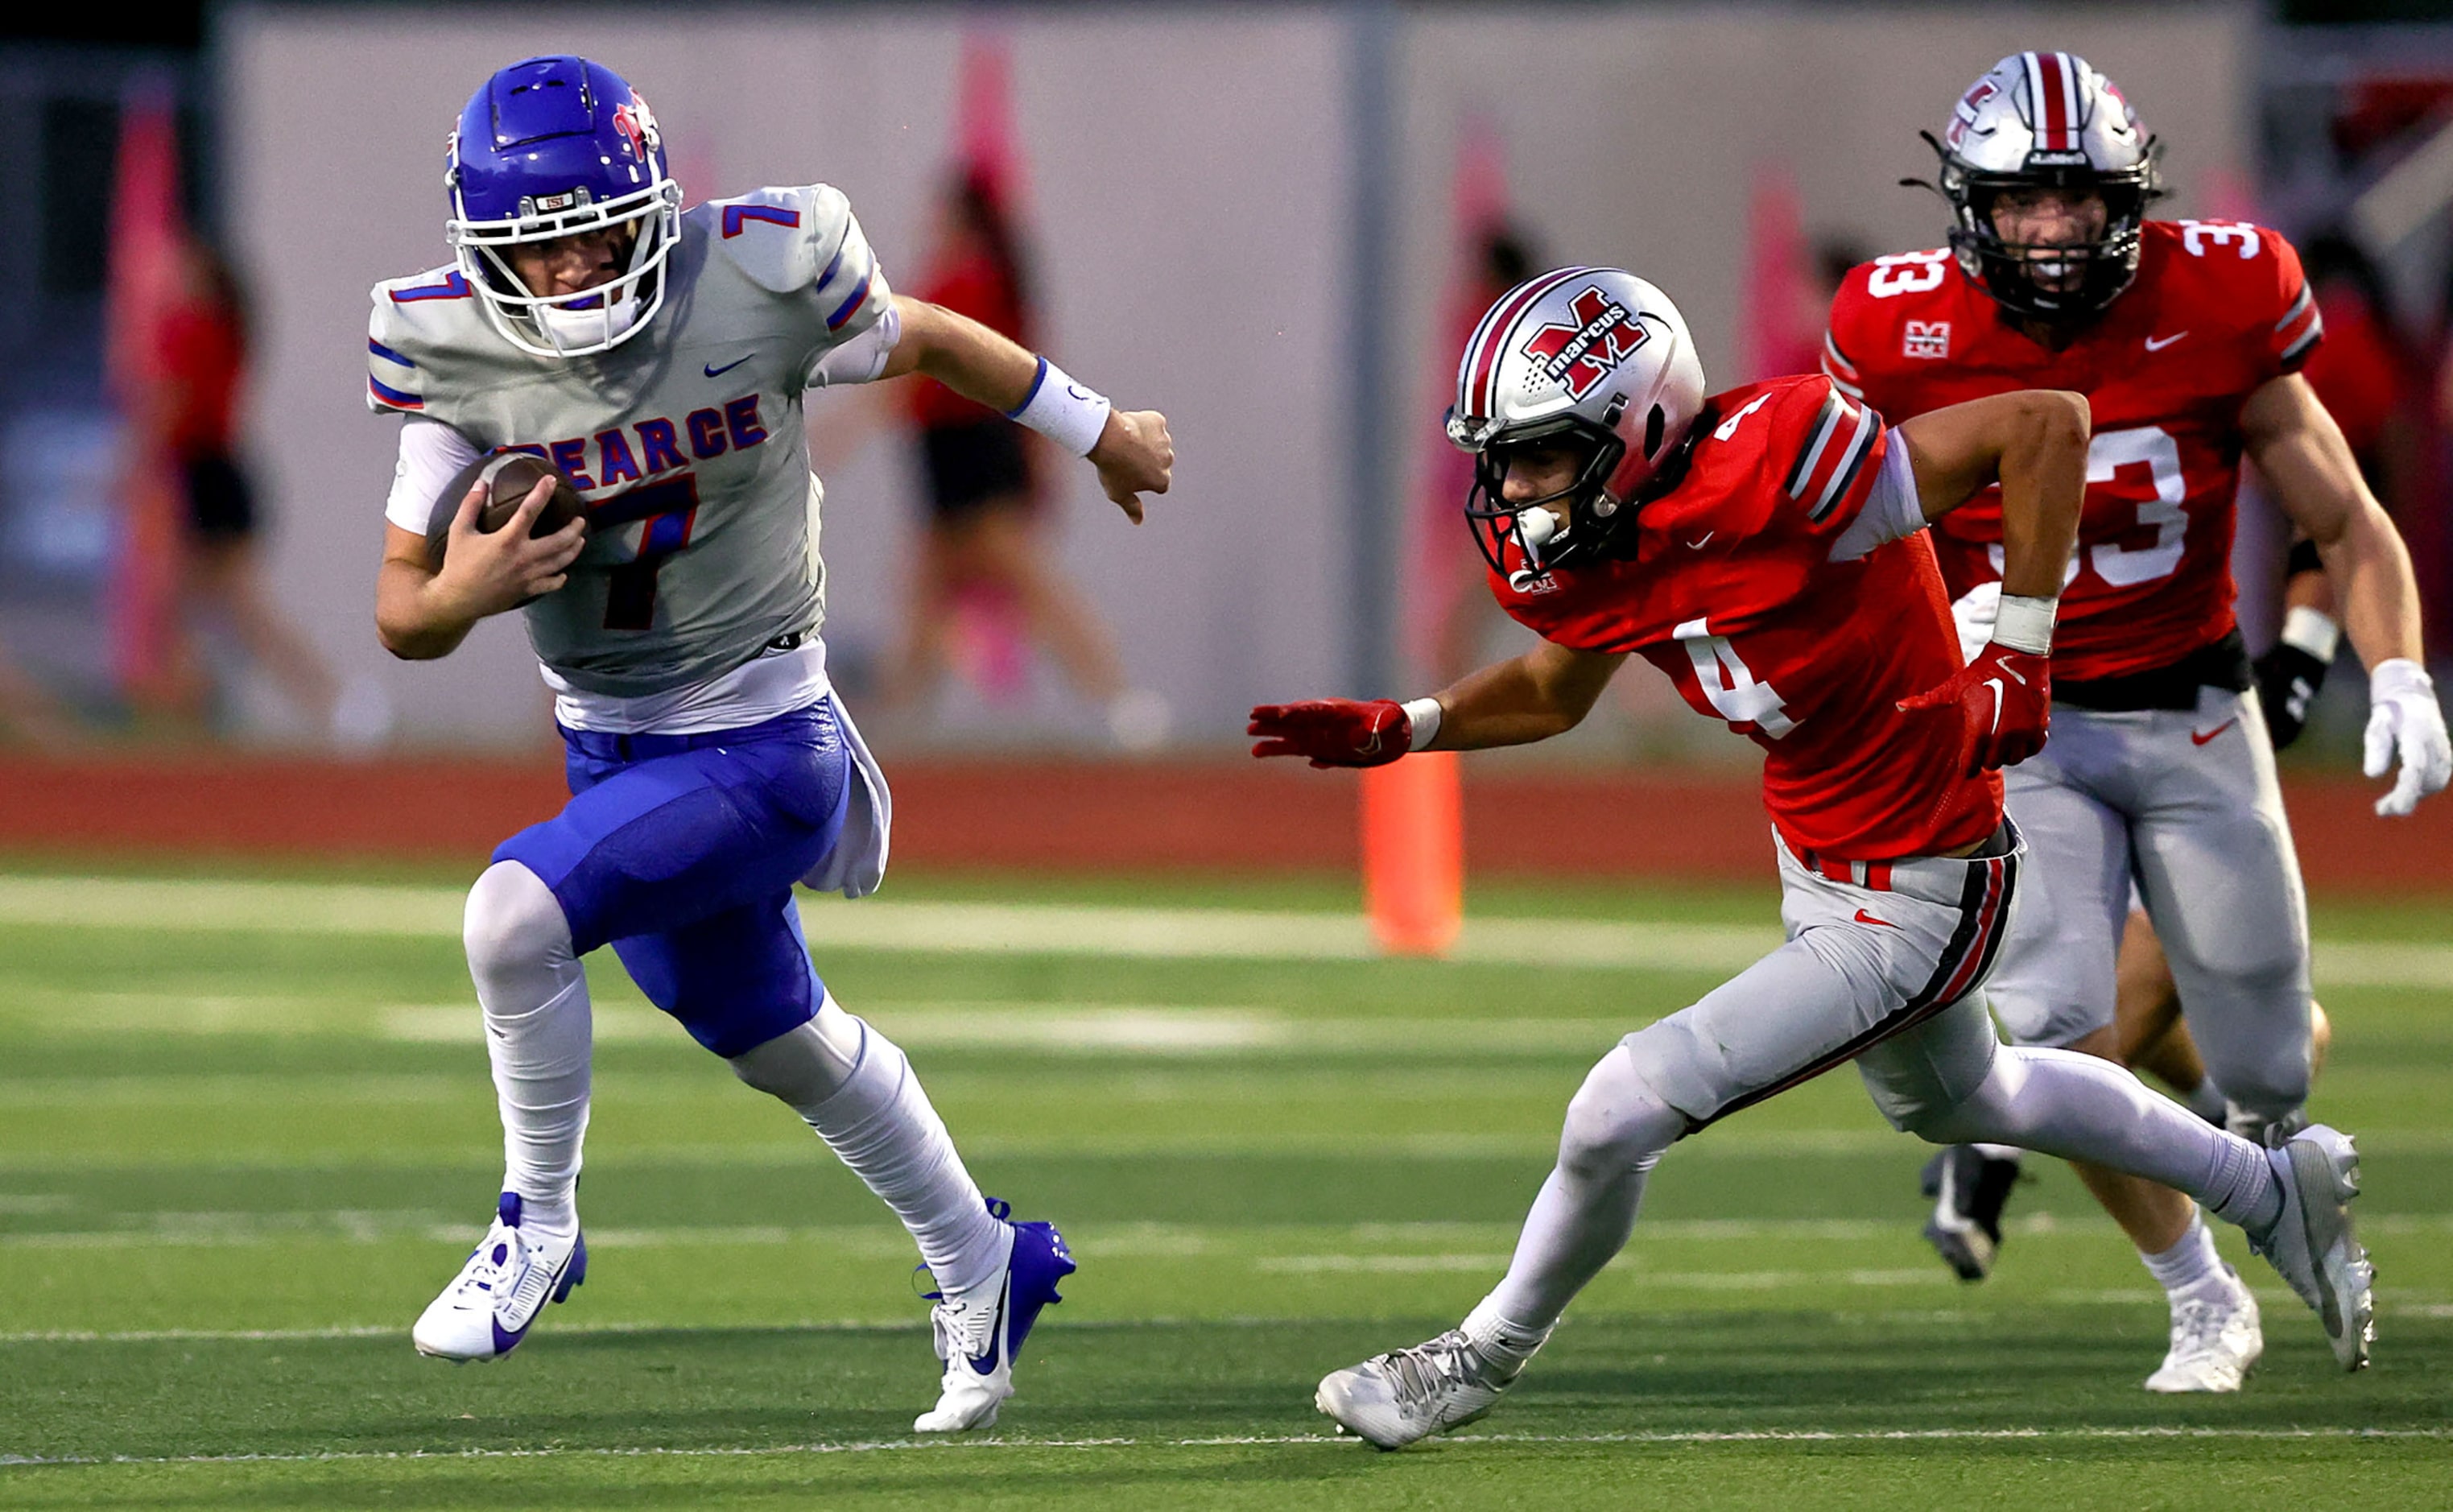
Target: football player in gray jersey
(657, 360)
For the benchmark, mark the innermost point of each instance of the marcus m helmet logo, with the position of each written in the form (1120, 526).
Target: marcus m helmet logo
(1579, 356)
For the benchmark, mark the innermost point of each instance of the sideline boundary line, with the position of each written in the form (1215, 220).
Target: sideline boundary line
(1262, 1441)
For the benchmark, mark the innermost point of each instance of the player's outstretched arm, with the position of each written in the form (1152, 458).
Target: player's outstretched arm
(1131, 449)
(421, 614)
(1547, 692)
(2033, 443)
(2300, 452)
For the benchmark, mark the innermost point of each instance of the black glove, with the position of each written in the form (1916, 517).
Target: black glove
(2287, 680)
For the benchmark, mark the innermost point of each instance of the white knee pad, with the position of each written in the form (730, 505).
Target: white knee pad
(804, 1066)
(1616, 1121)
(1980, 1116)
(513, 925)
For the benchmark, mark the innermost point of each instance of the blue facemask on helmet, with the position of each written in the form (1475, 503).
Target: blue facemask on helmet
(558, 146)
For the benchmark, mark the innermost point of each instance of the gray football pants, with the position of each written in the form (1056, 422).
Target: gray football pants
(2184, 804)
(1882, 967)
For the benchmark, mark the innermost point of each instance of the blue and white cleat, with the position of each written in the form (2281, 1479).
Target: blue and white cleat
(978, 1334)
(509, 1279)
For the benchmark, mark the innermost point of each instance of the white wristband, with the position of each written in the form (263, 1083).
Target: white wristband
(1424, 715)
(2313, 631)
(2025, 624)
(1062, 410)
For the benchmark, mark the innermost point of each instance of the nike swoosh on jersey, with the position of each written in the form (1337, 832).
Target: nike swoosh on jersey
(1862, 917)
(1697, 546)
(2196, 739)
(713, 372)
(2159, 343)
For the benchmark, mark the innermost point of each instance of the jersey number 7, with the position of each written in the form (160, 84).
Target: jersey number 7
(668, 508)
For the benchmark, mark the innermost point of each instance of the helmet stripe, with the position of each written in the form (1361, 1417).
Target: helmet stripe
(2050, 81)
(1481, 389)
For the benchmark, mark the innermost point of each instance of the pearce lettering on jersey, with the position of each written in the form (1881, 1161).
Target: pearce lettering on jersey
(611, 459)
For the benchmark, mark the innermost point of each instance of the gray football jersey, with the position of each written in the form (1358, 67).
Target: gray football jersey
(686, 440)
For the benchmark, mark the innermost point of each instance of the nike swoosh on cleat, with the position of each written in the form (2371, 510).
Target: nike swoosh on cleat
(713, 372)
(2196, 739)
(1862, 917)
(2154, 344)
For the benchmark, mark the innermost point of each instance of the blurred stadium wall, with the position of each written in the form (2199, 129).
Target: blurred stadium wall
(1192, 174)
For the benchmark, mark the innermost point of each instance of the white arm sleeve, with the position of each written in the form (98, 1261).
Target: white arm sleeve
(1891, 511)
(861, 359)
(431, 454)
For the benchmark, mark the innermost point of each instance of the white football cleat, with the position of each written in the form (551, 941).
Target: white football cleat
(2214, 1340)
(977, 1335)
(1406, 1395)
(509, 1279)
(2311, 1244)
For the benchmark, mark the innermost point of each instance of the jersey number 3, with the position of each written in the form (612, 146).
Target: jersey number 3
(2123, 567)
(670, 510)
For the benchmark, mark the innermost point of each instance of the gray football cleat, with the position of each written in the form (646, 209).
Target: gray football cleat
(1407, 1395)
(2310, 1243)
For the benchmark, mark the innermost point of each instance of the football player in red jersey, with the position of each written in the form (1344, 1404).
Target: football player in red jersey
(2186, 337)
(1764, 547)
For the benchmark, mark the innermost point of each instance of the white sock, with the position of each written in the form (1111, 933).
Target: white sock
(1617, 1128)
(539, 1030)
(2078, 1107)
(882, 1126)
(1504, 1343)
(2191, 1261)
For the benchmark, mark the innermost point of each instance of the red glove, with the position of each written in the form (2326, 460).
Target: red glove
(2006, 698)
(1334, 731)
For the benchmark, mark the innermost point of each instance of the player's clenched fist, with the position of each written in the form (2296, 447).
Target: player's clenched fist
(2006, 697)
(1334, 731)
(1134, 456)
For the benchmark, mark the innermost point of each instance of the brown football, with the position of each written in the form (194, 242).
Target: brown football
(509, 475)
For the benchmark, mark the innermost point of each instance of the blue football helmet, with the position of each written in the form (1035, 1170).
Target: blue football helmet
(555, 147)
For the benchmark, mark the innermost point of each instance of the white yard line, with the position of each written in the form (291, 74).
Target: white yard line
(1274, 1440)
(291, 907)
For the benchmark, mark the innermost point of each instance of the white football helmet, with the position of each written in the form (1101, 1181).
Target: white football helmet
(2047, 120)
(1592, 354)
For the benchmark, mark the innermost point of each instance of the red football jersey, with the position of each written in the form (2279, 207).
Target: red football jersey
(2218, 309)
(1731, 591)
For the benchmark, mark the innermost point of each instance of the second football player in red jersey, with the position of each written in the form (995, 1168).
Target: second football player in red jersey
(2186, 337)
(1765, 548)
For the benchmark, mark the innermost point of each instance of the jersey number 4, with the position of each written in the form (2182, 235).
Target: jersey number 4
(670, 508)
(1729, 685)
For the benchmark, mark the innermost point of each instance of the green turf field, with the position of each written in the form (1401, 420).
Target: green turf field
(246, 1133)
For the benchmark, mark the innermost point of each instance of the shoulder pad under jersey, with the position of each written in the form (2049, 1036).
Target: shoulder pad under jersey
(802, 240)
(413, 320)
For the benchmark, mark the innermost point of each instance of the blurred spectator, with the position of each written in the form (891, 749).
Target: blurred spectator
(202, 367)
(2364, 372)
(982, 564)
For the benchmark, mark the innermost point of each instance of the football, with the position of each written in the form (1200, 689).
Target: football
(509, 475)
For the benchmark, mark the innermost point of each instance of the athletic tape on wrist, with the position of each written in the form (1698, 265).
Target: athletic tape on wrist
(2313, 631)
(1424, 714)
(2025, 624)
(1062, 410)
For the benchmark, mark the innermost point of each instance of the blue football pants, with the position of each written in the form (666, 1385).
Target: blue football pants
(680, 851)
